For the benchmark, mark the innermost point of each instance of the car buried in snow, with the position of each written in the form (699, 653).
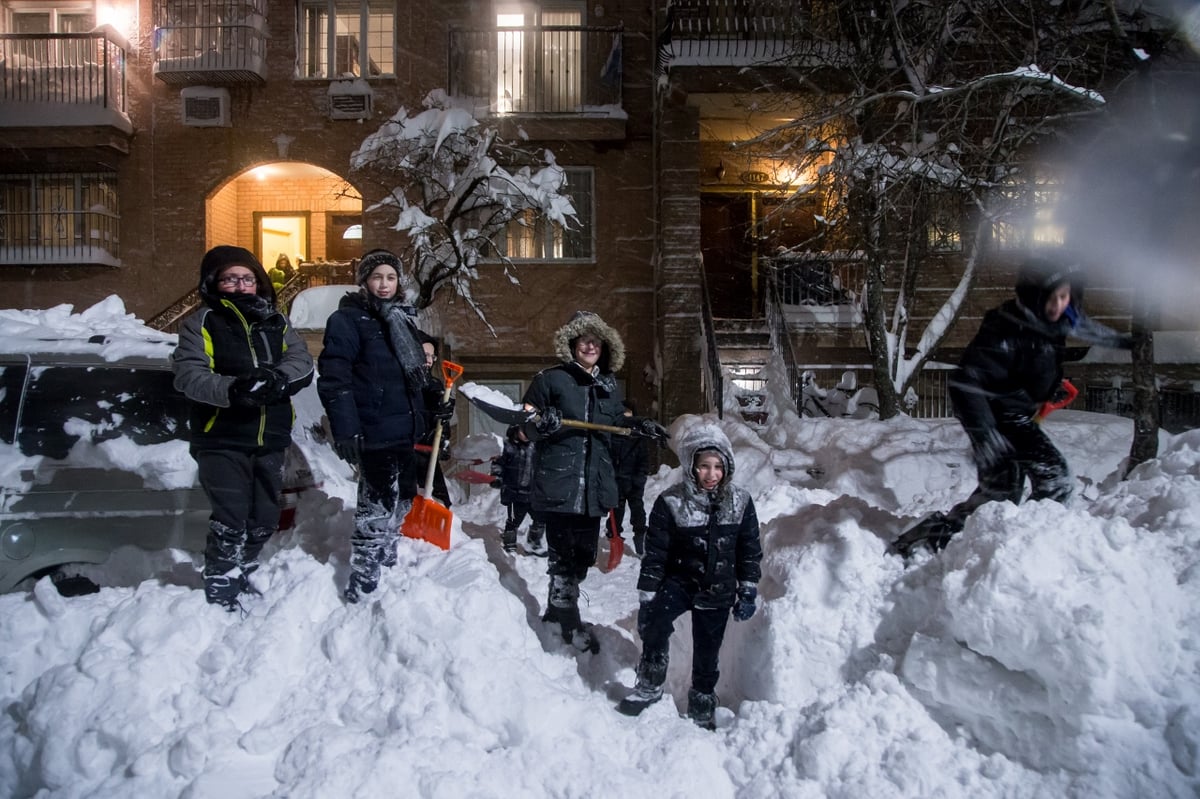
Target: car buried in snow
(93, 458)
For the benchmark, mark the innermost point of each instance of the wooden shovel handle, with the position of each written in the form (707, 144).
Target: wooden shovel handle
(603, 428)
(451, 372)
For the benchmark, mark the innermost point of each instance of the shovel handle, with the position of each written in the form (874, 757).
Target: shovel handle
(451, 372)
(603, 428)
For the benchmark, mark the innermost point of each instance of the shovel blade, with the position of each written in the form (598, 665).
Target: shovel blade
(429, 521)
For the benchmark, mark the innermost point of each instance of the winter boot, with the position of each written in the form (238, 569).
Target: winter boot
(639, 541)
(222, 565)
(651, 674)
(562, 608)
(536, 540)
(508, 539)
(933, 533)
(702, 708)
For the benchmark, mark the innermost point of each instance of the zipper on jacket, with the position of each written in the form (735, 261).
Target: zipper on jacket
(247, 328)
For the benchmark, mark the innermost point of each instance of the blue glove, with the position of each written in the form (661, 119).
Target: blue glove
(744, 607)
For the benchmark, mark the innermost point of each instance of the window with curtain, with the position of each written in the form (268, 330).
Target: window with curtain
(347, 38)
(533, 238)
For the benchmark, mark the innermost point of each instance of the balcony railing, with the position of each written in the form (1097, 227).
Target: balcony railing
(732, 32)
(59, 237)
(63, 79)
(205, 41)
(537, 70)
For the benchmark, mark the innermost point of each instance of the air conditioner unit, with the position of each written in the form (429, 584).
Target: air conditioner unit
(350, 99)
(205, 107)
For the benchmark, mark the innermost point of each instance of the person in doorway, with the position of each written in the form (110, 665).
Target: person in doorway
(1009, 371)
(702, 555)
(372, 375)
(574, 485)
(238, 361)
(631, 463)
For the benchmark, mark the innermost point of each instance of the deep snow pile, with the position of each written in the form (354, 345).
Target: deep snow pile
(1048, 651)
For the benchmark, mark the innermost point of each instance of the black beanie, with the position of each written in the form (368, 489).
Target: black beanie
(375, 259)
(223, 256)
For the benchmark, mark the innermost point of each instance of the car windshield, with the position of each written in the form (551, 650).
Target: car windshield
(66, 403)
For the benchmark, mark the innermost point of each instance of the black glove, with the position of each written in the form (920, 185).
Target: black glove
(992, 450)
(349, 449)
(548, 421)
(261, 387)
(444, 410)
(744, 607)
(646, 428)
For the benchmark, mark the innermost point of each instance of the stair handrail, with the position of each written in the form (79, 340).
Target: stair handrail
(170, 318)
(781, 340)
(714, 377)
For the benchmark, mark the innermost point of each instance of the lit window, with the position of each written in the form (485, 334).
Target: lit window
(1027, 216)
(347, 38)
(533, 238)
(538, 62)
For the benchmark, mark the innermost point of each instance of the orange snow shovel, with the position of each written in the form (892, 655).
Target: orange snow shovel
(428, 519)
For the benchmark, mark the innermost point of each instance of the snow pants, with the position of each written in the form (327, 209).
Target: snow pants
(243, 489)
(572, 539)
(386, 487)
(1036, 459)
(656, 622)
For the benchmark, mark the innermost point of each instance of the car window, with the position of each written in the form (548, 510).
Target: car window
(12, 378)
(66, 403)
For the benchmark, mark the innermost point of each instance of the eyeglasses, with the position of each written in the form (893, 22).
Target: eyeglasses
(238, 280)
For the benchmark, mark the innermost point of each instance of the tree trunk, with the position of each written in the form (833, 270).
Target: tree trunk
(1145, 392)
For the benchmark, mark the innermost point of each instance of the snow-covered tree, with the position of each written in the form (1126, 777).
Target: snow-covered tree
(926, 125)
(456, 187)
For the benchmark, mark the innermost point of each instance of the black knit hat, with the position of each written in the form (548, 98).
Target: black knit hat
(375, 259)
(223, 256)
(1039, 277)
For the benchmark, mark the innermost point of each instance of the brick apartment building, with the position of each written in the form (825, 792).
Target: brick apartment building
(136, 134)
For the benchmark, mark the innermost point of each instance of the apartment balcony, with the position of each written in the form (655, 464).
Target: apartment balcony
(55, 84)
(730, 32)
(204, 42)
(819, 289)
(561, 82)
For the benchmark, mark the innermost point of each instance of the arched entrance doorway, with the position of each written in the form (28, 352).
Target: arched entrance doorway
(286, 207)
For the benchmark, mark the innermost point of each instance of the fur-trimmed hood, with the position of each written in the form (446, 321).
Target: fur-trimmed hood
(612, 356)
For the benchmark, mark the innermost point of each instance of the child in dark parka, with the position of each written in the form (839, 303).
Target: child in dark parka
(702, 554)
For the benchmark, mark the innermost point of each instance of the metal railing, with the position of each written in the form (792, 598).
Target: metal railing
(714, 377)
(59, 237)
(537, 70)
(781, 339)
(737, 29)
(70, 69)
(206, 36)
(1178, 410)
(819, 278)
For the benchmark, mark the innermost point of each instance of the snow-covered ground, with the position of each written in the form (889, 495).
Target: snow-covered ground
(1049, 651)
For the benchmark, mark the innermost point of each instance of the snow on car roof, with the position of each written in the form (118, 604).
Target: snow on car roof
(105, 330)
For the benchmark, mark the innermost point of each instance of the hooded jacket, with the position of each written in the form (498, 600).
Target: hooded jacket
(362, 383)
(1014, 362)
(573, 468)
(228, 338)
(706, 541)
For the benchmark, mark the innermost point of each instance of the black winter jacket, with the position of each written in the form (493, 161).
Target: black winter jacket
(361, 382)
(1009, 369)
(218, 344)
(706, 541)
(631, 463)
(573, 468)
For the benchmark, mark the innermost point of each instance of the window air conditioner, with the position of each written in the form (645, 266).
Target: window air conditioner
(350, 100)
(205, 107)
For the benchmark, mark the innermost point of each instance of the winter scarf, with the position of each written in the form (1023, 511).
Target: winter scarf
(253, 307)
(404, 336)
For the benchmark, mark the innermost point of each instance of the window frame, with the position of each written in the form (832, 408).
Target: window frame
(320, 12)
(552, 234)
(90, 223)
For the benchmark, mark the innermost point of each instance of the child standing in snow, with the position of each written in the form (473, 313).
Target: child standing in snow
(514, 469)
(702, 554)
